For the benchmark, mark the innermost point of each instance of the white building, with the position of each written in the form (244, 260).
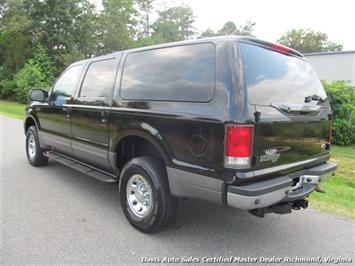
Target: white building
(334, 65)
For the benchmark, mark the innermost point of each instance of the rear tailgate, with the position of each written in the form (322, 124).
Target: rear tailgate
(292, 106)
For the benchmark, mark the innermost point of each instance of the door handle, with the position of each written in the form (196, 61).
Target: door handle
(104, 118)
(67, 115)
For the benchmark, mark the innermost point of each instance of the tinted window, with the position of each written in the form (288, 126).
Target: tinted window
(99, 79)
(183, 73)
(275, 78)
(66, 84)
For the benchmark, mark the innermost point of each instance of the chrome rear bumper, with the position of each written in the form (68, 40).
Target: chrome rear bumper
(286, 188)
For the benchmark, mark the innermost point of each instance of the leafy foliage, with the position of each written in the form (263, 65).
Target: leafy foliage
(116, 25)
(146, 6)
(229, 28)
(45, 63)
(174, 24)
(308, 41)
(7, 89)
(28, 77)
(343, 132)
(341, 97)
(15, 50)
(62, 26)
(39, 38)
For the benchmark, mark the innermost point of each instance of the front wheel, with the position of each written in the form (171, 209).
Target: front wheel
(33, 149)
(145, 196)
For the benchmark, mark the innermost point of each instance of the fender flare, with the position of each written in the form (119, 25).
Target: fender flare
(30, 116)
(155, 140)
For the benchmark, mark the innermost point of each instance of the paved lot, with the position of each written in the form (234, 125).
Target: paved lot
(56, 215)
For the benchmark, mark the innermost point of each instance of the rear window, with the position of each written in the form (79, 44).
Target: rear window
(181, 73)
(273, 78)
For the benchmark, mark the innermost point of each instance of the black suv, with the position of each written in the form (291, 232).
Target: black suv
(234, 120)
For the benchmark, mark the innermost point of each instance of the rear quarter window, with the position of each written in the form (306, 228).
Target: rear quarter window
(180, 73)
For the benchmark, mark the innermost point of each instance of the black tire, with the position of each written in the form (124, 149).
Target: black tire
(164, 208)
(37, 158)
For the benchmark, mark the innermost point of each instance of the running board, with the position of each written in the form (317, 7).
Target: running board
(81, 167)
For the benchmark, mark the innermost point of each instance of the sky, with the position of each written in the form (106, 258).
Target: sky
(274, 17)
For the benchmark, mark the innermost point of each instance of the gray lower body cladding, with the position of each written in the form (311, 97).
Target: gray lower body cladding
(253, 196)
(189, 185)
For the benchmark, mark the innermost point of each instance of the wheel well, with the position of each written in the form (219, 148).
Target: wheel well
(135, 146)
(29, 122)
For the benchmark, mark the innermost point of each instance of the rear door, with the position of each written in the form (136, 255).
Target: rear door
(89, 113)
(291, 106)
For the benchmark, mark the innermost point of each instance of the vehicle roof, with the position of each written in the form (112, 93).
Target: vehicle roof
(218, 39)
(215, 40)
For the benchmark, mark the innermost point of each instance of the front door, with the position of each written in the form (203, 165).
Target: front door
(89, 113)
(54, 117)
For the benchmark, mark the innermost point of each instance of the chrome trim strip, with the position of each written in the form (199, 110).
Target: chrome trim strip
(88, 106)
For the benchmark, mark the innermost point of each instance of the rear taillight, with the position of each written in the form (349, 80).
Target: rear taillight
(238, 146)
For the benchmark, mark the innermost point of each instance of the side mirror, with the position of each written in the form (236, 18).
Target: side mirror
(38, 95)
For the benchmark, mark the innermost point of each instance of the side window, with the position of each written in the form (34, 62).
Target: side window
(99, 79)
(64, 88)
(180, 73)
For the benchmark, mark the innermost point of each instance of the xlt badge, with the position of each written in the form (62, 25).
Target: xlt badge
(270, 155)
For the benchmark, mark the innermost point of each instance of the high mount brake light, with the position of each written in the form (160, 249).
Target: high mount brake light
(238, 146)
(280, 48)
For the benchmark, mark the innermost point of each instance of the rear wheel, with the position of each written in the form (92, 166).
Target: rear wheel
(33, 149)
(145, 196)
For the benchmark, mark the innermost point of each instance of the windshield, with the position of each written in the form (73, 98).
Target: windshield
(277, 79)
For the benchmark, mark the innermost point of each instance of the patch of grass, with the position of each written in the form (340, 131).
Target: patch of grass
(340, 190)
(12, 109)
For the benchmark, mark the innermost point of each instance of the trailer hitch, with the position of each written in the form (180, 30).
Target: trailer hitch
(281, 208)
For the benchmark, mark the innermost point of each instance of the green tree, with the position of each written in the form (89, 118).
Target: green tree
(342, 99)
(15, 49)
(62, 26)
(42, 60)
(308, 41)
(3, 6)
(58, 26)
(207, 33)
(229, 28)
(15, 41)
(15, 16)
(174, 24)
(146, 6)
(117, 23)
(28, 77)
(247, 29)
